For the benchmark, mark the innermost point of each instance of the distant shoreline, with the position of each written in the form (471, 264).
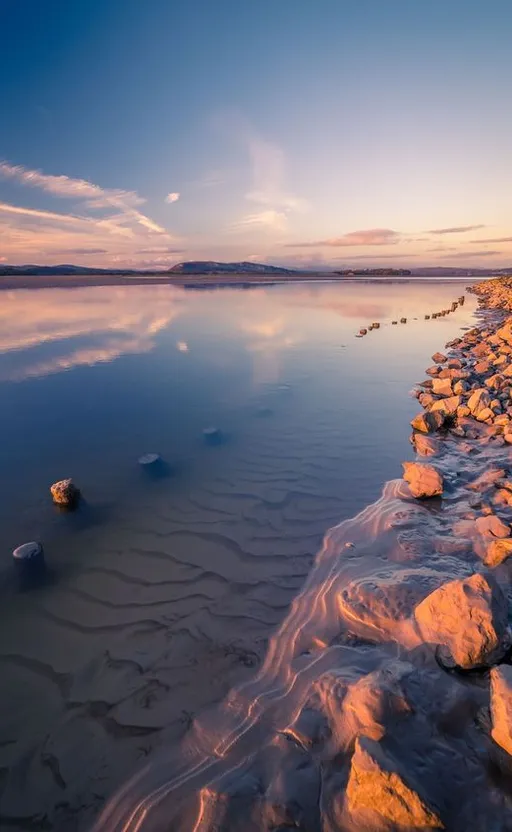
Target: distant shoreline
(201, 281)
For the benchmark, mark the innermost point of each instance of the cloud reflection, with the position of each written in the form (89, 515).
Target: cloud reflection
(48, 331)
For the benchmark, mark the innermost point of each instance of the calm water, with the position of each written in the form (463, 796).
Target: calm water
(163, 592)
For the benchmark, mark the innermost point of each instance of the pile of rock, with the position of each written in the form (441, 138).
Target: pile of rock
(471, 387)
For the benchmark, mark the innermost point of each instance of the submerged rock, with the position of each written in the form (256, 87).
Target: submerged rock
(467, 620)
(29, 563)
(149, 459)
(379, 797)
(65, 492)
(501, 706)
(424, 481)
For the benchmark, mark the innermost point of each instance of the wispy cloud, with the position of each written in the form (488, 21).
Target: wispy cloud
(269, 219)
(492, 240)
(159, 250)
(79, 251)
(268, 190)
(441, 248)
(462, 254)
(367, 237)
(92, 196)
(456, 229)
(105, 223)
(351, 257)
(172, 197)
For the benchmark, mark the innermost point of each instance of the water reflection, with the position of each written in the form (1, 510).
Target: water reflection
(81, 326)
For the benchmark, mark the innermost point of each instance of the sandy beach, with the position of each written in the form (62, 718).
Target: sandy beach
(384, 698)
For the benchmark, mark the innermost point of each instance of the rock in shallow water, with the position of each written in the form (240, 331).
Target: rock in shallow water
(424, 481)
(467, 619)
(65, 492)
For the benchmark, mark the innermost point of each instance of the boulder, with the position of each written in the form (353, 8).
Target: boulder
(498, 551)
(460, 387)
(481, 367)
(446, 406)
(439, 358)
(425, 445)
(428, 422)
(492, 526)
(467, 619)
(424, 481)
(379, 799)
(484, 415)
(64, 492)
(501, 706)
(463, 411)
(432, 371)
(442, 387)
(479, 400)
(505, 333)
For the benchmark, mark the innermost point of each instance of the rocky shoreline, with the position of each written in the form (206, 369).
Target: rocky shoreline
(385, 700)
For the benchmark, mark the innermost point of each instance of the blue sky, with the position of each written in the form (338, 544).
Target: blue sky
(303, 132)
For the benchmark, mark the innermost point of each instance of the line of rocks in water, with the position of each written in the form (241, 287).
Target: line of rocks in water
(441, 314)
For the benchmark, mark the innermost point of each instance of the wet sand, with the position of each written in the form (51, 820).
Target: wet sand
(382, 700)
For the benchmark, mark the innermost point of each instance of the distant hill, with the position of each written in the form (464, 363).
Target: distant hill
(213, 267)
(67, 269)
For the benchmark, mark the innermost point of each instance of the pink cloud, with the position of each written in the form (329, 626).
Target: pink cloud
(367, 237)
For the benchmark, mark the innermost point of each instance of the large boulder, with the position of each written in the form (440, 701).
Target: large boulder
(378, 798)
(467, 620)
(501, 706)
(424, 480)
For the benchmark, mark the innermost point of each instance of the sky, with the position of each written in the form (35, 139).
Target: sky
(307, 133)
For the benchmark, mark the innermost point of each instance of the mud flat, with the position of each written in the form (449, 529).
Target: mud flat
(385, 698)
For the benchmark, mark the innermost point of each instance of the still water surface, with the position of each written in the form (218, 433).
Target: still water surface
(163, 591)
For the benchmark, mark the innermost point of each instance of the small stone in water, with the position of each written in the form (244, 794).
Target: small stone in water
(28, 551)
(148, 459)
(64, 492)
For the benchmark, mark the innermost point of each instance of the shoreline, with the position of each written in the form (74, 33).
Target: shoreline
(383, 700)
(13, 282)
